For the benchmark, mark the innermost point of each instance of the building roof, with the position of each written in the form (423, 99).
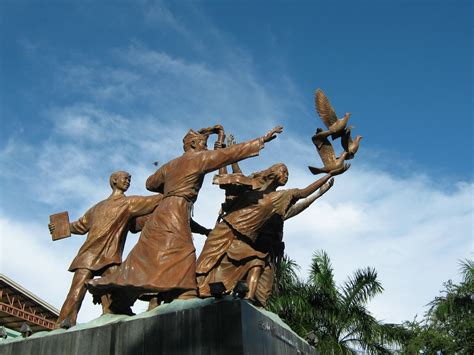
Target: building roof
(18, 305)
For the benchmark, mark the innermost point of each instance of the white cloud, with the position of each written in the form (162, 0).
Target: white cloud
(33, 260)
(412, 232)
(29, 258)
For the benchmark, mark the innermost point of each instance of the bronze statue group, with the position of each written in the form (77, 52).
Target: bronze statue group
(242, 249)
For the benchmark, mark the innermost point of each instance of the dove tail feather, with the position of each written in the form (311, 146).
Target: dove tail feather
(315, 171)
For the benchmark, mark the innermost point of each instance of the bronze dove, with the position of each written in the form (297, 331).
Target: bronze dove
(326, 152)
(349, 145)
(328, 116)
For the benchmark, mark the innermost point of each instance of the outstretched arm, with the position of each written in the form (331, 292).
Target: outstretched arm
(302, 205)
(303, 193)
(197, 228)
(81, 226)
(214, 159)
(136, 224)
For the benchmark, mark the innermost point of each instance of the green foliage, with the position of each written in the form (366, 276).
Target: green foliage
(333, 319)
(449, 323)
(336, 321)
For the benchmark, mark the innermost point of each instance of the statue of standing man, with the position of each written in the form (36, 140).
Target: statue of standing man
(107, 223)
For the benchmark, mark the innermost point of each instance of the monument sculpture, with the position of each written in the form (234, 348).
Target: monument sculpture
(163, 262)
(244, 247)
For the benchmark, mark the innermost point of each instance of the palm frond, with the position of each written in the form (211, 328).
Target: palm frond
(466, 267)
(322, 276)
(286, 277)
(361, 287)
(336, 317)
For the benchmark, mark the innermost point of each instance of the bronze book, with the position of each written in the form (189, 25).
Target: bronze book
(61, 222)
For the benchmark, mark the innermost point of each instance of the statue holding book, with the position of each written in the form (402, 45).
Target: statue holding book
(107, 224)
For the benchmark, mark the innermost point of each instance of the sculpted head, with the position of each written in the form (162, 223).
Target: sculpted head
(280, 173)
(120, 180)
(276, 175)
(195, 141)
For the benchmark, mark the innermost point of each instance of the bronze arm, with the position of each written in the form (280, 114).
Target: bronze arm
(302, 205)
(197, 228)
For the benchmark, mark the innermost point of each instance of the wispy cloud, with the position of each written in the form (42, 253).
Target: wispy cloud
(156, 13)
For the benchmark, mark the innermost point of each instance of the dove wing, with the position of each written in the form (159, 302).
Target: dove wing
(326, 152)
(324, 108)
(346, 139)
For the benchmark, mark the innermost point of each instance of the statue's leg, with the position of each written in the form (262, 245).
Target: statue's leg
(153, 303)
(253, 277)
(74, 298)
(106, 299)
(265, 285)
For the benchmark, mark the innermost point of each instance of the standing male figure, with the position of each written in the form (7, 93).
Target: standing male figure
(108, 223)
(164, 259)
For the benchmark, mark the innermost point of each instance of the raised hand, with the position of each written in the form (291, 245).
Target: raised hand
(271, 135)
(214, 129)
(230, 140)
(326, 187)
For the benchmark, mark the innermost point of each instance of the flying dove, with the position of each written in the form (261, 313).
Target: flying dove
(349, 145)
(328, 116)
(326, 152)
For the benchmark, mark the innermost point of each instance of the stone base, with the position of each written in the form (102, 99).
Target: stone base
(206, 327)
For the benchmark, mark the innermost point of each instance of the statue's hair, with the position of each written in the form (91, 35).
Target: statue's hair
(266, 177)
(190, 137)
(115, 175)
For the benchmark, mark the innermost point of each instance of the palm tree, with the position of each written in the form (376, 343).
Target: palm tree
(452, 313)
(466, 267)
(333, 318)
(289, 299)
(447, 325)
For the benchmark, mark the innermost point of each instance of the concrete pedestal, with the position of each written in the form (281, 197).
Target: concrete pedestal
(194, 327)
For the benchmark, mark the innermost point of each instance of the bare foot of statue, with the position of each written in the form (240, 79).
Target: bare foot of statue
(187, 295)
(65, 324)
(153, 303)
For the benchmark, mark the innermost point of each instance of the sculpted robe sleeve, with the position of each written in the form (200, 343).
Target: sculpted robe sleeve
(142, 205)
(141, 208)
(137, 223)
(82, 225)
(156, 182)
(214, 159)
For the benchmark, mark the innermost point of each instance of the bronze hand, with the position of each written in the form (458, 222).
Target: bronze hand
(272, 133)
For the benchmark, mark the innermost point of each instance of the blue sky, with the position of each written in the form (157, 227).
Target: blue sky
(89, 88)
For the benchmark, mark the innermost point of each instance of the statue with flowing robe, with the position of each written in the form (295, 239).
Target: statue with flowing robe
(248, 239)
